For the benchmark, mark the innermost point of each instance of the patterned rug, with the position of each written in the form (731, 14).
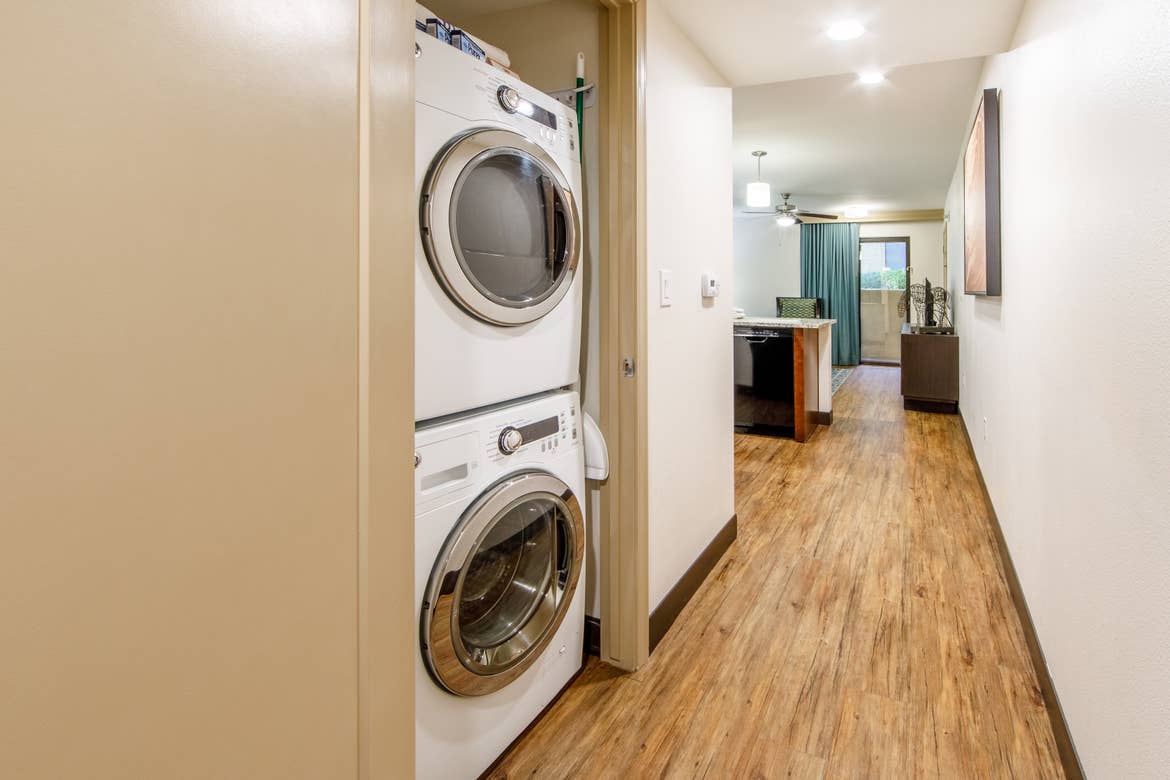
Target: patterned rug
(839, 377)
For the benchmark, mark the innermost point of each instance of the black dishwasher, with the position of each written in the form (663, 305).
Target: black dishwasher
(763, 380)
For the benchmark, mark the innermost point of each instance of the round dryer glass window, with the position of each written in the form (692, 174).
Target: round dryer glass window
(500, 226)
(503, 584)
(512, 227)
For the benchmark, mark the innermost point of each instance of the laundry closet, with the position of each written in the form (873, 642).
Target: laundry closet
(506, 369)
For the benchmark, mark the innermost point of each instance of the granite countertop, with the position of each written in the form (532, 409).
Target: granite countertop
(784, 322)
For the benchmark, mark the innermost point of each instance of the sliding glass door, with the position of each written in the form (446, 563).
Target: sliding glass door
(883, 281)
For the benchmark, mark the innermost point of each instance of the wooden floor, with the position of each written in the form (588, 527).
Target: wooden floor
(859, 627)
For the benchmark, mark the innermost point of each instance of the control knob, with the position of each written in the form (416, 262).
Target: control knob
(510, 440)
(509, 98)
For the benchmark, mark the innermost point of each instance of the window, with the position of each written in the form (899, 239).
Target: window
(884, 262)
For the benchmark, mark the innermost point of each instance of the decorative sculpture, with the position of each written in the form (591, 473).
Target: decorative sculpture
(931, 305)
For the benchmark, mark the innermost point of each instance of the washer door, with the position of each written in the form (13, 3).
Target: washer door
(503, 583)
(500, 226)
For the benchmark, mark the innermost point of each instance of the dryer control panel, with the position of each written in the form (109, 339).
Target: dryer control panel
(455, 82)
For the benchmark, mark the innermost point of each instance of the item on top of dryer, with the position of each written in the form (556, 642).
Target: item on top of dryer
(495, 54)
(437, 28)
(596, 451)
(738, 312)
(499, 546)
(497, 289)
(466, 44)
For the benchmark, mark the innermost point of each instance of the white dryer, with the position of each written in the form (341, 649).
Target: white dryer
(499, 544)
(497, 287)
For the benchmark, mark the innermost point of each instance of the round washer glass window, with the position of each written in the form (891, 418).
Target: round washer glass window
(502, 584)
(511, 227)
(513, 584)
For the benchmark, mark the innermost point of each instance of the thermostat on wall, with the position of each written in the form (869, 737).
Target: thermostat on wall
(710, 285)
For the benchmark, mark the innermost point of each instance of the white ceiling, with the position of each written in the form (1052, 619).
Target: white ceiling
(762, 41)
(833, 142)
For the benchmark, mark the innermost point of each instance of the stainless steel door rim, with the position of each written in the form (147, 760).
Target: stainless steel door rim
(438, 209)
(499, 655)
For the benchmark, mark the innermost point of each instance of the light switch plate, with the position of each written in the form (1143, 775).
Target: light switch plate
(665, 287)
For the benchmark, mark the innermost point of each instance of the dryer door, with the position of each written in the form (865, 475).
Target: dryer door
(503, 583)
(500, 226)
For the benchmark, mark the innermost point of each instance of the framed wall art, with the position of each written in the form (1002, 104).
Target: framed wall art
(981, 207)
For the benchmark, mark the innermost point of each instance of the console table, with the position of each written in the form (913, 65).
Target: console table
(930, 371)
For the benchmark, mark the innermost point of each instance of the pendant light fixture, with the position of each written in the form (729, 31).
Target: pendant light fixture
(759, 193)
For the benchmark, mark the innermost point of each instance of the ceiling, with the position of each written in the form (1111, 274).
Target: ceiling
(833, 142)
(762, 41)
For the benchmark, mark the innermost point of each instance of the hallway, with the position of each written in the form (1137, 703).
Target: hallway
(860, 626)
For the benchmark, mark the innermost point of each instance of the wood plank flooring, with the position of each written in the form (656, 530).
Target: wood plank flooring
(860, 627)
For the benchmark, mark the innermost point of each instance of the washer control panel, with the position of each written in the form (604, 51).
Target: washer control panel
(543, 433)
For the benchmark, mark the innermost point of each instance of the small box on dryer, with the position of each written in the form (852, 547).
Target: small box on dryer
(437, 28)
(462, 41)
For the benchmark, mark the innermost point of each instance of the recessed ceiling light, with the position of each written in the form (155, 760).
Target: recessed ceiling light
(871, 77)
(845, 30)
(856, 212)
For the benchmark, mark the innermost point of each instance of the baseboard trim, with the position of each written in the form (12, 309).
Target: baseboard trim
(1069, 760)
(664, 615)
(822, 418)
(934, 407)
(592, 636)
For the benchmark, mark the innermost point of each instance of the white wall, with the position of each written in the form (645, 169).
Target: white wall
(767, 264)
(688, 362)
(1070, 367)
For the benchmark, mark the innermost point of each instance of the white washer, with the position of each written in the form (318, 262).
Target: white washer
(497, 282)
(499, 546)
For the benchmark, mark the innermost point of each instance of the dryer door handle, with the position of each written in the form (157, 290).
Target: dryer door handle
(550, 220)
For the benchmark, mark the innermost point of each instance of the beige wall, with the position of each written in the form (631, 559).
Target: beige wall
(179, 406)
(1063, 379)
(688, 361)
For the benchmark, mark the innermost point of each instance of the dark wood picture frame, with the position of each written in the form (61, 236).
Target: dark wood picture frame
(981, 204)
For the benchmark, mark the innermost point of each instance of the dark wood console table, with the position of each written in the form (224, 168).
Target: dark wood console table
(930, 371)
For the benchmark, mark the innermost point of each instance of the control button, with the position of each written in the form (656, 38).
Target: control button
(509, 98)
(510, 440)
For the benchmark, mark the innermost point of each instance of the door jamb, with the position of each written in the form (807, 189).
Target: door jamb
(624, 565)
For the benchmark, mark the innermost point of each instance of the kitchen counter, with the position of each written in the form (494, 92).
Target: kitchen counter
(785, 322)
(783, 375)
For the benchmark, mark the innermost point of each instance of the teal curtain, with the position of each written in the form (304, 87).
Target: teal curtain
(829, 268)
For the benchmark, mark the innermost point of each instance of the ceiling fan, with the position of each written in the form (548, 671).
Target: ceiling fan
(788, 214)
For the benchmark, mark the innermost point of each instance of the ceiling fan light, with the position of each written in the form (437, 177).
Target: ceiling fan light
(785, 220)
(759, 194)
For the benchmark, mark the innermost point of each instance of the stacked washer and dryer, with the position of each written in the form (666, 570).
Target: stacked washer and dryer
(499, 458)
